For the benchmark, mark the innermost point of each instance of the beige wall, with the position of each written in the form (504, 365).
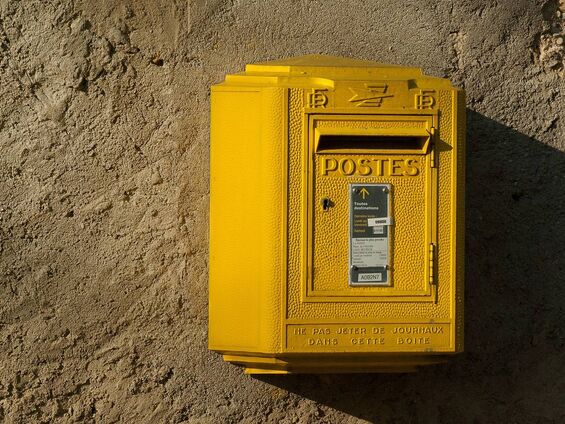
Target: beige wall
(104, 195)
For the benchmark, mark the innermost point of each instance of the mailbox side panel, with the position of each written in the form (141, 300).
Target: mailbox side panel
(245, 219)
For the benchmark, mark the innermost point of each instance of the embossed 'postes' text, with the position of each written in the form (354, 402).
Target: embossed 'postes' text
(364, 167)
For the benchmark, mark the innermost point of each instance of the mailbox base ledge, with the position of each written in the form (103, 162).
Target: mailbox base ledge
(334, 364)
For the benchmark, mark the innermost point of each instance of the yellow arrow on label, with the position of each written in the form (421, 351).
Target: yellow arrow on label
(364, 193)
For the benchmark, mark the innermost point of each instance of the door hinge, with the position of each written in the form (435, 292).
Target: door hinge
(432, 267)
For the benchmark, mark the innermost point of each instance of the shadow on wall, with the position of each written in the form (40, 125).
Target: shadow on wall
(515, 301)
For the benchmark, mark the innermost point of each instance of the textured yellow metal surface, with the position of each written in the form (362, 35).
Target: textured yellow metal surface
(288, 138)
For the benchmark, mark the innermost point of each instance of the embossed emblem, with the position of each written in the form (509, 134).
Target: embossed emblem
(425, 99)
(318, 98)
(370, 96)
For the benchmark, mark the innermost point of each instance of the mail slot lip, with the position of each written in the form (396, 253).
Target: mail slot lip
(413, 141)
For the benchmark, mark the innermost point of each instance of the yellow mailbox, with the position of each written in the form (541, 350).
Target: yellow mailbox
(336, 217)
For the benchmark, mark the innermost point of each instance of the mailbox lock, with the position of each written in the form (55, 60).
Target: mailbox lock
(326, 203)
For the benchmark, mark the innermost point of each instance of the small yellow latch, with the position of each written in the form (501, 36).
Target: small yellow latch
(432, 132)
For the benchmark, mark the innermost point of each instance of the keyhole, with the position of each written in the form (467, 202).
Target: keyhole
(326, 203)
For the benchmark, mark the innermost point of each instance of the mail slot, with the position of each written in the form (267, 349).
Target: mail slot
(336, 217)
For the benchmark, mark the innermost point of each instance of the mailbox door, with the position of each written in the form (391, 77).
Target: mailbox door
(372, 208)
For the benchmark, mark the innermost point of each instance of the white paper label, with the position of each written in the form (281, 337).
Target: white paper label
(369, 252)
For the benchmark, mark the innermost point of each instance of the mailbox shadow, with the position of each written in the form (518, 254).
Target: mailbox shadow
(515, 301)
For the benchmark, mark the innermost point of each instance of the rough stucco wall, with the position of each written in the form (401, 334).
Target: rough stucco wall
(103, 208)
